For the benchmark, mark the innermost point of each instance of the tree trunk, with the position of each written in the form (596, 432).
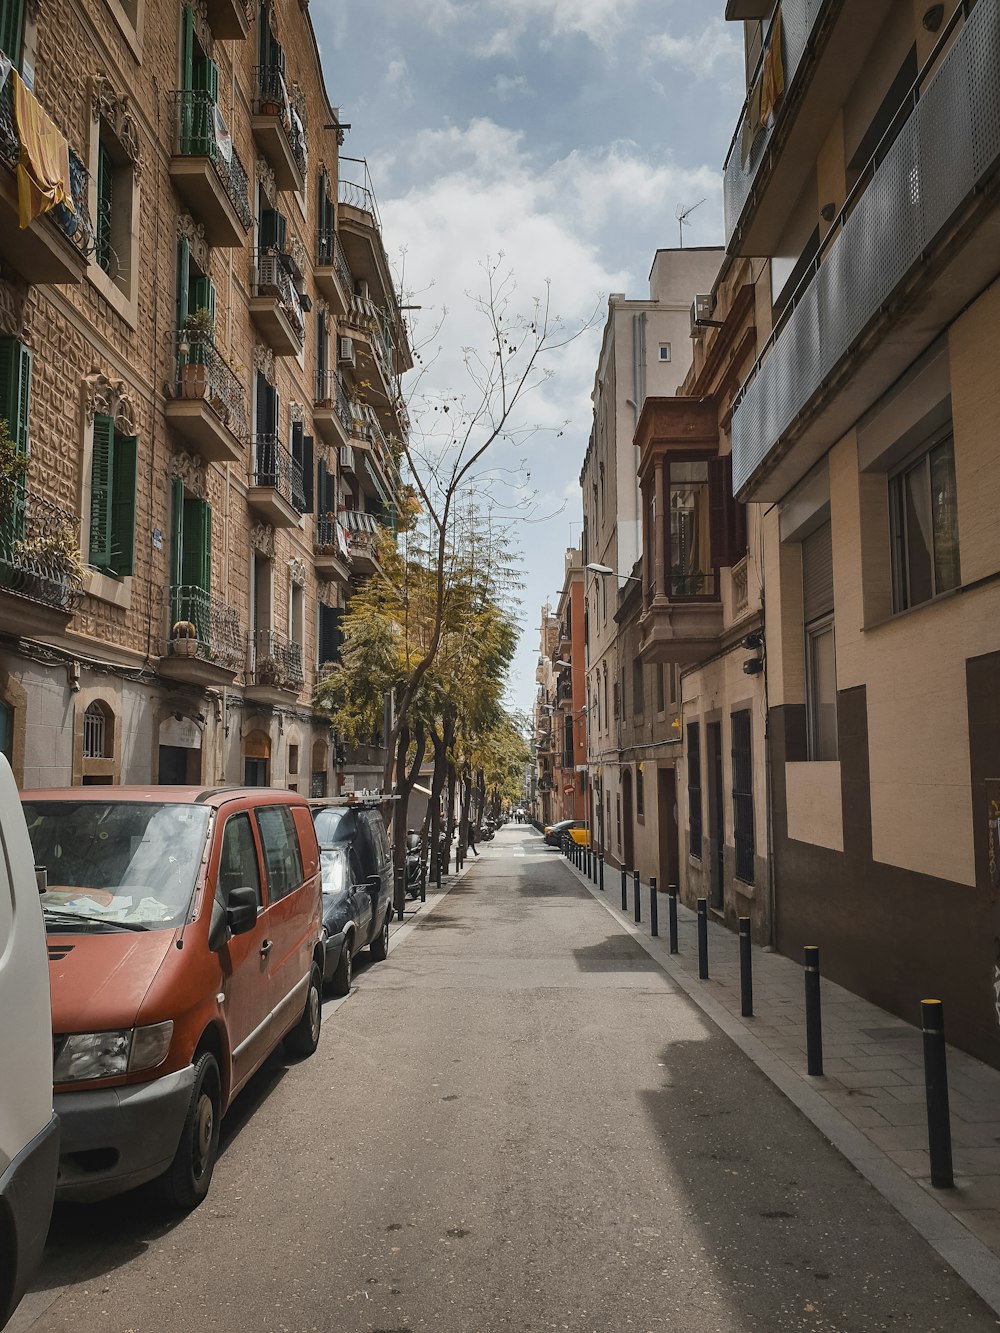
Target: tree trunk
(450, 816)
(433, 845)
(405, 778)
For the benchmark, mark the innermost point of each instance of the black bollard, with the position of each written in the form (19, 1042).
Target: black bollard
(672, 917)
(400, 893)
(637, 895)
(624, 889)
(814, 1015)
(936, 1083)
(423, 886)
(437, 869)
(703, 939)
(654, 921)
(600, 872)
(746, 969)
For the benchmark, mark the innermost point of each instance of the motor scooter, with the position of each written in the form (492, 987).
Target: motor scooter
(414, 859)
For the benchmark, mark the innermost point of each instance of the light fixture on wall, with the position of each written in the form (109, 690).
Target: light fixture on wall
(828, 212)
(932, 17)
(606, 569)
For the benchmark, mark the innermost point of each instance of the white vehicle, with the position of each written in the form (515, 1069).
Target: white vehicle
(29, 1131)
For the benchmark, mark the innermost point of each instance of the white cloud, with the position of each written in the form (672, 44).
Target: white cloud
(507, 86)
(501, 24)
(701, 54)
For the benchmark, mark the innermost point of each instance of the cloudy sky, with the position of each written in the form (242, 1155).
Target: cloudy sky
(565, 134)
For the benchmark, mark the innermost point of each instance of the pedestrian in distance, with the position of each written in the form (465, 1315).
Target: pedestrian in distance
(472, 840)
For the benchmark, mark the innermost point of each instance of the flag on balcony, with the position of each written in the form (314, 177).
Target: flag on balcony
(43, 167)
(223, 139)
(772, 77)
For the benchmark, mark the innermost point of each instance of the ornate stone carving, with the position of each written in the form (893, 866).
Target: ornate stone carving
(111, 399)
(191, 470)
(328, 594)
(262, 539)
(266, 181)
(299, 254)
(194, 233)
(114, 110)
(322, 307)
(296, 412)
(263, 361)
(32, 10)
(297, 101)
(202, 27)
(297, 572)
(14, 309)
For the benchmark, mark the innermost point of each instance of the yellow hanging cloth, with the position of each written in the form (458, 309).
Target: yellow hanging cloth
(772, 77)
(43, 166)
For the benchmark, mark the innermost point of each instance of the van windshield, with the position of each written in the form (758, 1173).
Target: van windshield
(126, 864)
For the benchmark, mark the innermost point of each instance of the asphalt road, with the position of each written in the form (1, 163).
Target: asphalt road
(515, 1122)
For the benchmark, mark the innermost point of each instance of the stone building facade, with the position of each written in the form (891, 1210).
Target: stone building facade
(200, 355)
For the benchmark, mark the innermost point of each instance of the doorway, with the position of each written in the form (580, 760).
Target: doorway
(257, 760)
(716, 823)
(666, 822)
(628, 847)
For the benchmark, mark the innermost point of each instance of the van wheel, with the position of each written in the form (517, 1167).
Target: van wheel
(379, 946)
(186, 1182)
(341, 982)
(304, 1036)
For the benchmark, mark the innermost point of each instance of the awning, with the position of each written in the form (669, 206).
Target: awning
(376, 482)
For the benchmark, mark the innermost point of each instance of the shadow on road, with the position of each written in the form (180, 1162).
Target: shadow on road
(617, 953)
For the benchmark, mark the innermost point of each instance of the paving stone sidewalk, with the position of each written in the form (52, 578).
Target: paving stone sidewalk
(873, 1065)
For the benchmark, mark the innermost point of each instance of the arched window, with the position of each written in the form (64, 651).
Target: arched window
(96, 732)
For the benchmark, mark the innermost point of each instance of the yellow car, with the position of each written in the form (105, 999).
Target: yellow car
(581, 835)
(576, 829)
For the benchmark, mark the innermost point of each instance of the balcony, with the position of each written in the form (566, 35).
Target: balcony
(55, 247)
(332, 272)
(276, 675)
(332, 412)
(276, 491)
(204, 642)
(40, 570)
(230, 19)
(274, 304)
(278, 129)
(208, 408)
(207, 172)
(825, 46)
(371, 331)
(362, 540)
(331, 550)
(376, 458)
(914, 244)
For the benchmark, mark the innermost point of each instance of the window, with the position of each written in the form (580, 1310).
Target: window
(820, 651)
(296, 614)
(743, 834)
(12, 30)
(95, 732)
(638, 701)
(331, 636)
(923, 520)
(112, 499)
(282, 859)
(293, 759)
(694, 789)
(191, 561)
(691, 570)
(303, 469)
(238, 865)
(661, 701)
(664, 351)
(640, 795)
(15, 401)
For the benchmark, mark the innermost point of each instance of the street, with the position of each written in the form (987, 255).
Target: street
(515, 1122)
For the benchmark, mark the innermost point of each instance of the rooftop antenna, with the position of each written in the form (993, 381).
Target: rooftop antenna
(682, 216)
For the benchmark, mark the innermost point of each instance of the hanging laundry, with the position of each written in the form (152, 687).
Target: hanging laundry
(43, 167)
(751, 123)
(772, 76)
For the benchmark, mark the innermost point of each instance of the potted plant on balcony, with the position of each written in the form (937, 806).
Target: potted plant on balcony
(184, 639)
(52, 562)
(196, 334)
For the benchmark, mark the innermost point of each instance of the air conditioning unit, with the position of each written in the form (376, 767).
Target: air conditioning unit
(347, 457)
(702, 309)
(345, 352)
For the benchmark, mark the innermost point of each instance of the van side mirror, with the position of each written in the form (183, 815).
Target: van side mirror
(374, 882)
(241, 910)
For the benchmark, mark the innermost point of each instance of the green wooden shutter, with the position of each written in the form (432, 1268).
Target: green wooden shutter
(15, 390)
(183, 280)
(12, 30)
(308, 473)
(187, 48)
(100, 492)
(196, 560)
(123, 484)
(177, 544)
(202, 295)
(320, 488)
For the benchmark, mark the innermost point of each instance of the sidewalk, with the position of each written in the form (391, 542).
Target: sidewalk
(870, 1101)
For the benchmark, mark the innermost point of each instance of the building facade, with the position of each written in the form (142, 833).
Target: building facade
(571, 800)
(200, 351)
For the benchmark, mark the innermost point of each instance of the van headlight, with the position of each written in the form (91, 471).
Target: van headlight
(87, 1055)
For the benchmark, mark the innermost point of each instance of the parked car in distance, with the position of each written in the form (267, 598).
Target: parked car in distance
(357, 884)
(29, 1130)
(185, 942)
(576, 828)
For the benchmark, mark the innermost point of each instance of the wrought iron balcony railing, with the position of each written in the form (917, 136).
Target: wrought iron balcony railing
(205, 627)
(200, 131)
(75, 225)
(40, 552)
(277, 661)
(272, 277)
(275, 467)
(371, 320)
(203, 372)
(272, 100)
(361, 197)
(330, 253)
(330, 390)
(329, 531)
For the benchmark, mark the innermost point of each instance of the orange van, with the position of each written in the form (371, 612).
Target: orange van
(185, 942)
